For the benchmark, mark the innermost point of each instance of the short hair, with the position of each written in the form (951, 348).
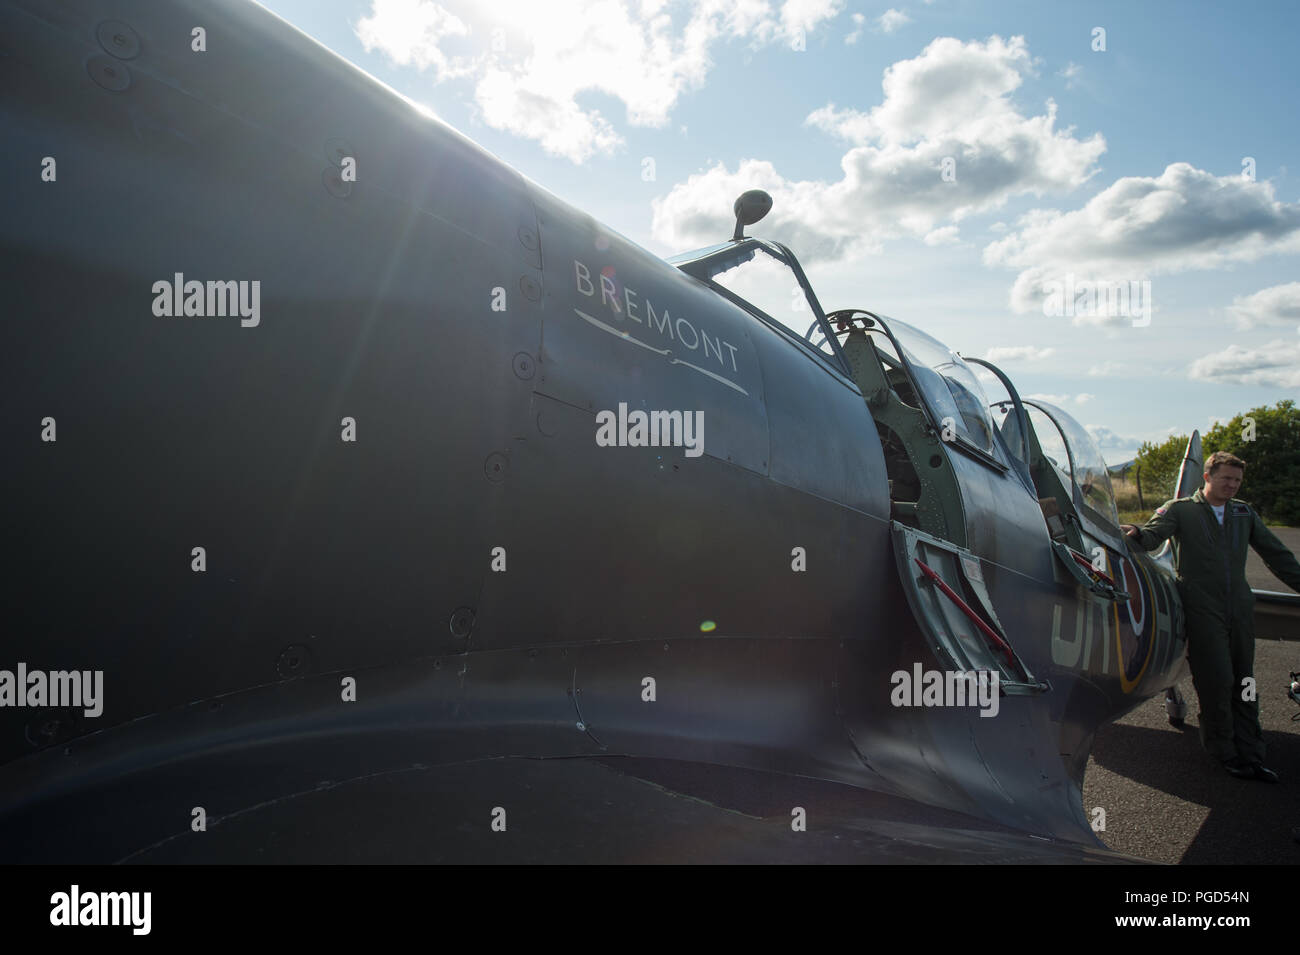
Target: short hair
(1220, 458)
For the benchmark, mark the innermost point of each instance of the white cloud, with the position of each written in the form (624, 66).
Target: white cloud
(552, 52)
(1277, 365)
(804, 14)
(1140, 226)
(1108, 369)
(1018, 353)
(952, 89)
(1070, 74)
(411, 32)
(1108, 440)
(892, 19)
(1080, 399)
(950, 102)
(944, 236)
(561, 126)
(1278, 305)
(858, 20)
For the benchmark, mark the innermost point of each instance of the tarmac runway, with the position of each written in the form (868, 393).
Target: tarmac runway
(1167, 801)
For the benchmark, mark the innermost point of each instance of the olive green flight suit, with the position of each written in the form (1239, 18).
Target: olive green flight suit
(1219, 609)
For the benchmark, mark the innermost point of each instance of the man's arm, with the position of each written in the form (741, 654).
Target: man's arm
(1279, 560)
(1162, 525)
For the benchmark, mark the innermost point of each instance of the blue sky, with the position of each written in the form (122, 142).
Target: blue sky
(952, 164)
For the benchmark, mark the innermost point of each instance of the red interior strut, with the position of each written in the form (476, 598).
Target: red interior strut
(975, 618)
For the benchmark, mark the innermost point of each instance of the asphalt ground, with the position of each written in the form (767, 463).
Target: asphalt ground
(1166, 800)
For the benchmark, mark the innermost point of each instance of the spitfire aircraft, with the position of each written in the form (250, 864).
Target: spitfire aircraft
(366, 502)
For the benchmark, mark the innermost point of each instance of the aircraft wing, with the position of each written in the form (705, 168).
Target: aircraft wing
(369, 798)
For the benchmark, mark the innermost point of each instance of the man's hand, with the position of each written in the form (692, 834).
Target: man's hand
(1129, 529)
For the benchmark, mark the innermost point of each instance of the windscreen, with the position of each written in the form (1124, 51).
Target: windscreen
(1088, 468)
(771, 286)
(948, 385)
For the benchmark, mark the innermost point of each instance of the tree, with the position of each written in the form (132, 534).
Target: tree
(1159, 465)
(1268, 440)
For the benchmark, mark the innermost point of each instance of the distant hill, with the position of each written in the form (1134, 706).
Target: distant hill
(1121, 468)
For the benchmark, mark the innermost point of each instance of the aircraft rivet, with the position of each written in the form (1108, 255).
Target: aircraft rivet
(295, 660)
(108, 73)
(462, 622)
(334, 184)
(495, 467)
(524, 367)
(528, 238)
(528, 285)
(118, 39)
(336, 150)
(45, 731)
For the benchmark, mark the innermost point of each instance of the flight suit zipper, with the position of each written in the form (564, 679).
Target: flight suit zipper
(1208, 516)
(1232, 552)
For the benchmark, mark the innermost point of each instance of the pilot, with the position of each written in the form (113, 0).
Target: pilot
(1211, 530)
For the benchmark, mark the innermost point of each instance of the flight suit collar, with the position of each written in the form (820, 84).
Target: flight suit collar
(1229, 527)
(1233, 506)
(1199, 496)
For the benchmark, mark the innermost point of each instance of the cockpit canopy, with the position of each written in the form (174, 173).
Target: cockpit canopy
(950, 387)
(1081, 463)
(767, 280)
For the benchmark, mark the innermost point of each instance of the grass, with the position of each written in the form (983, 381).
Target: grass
(1126, 501)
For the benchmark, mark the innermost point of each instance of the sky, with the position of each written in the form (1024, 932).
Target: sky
(1094, 196)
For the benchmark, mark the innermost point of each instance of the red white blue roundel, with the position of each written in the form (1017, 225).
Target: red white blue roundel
(1135, 640)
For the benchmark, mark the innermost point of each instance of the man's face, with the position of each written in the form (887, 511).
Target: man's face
(1223, 483)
